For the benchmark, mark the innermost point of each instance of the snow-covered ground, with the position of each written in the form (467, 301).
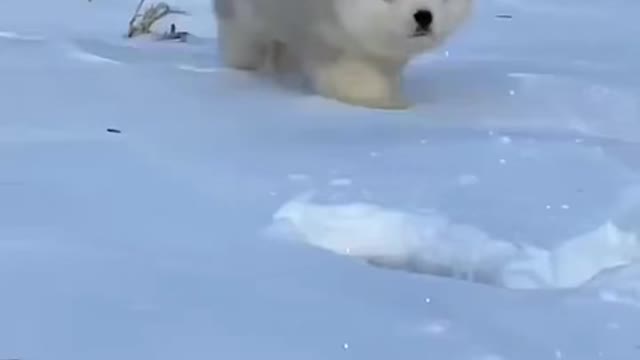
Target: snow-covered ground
(222, 217)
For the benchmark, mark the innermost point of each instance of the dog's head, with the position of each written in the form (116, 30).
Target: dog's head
(402, 28)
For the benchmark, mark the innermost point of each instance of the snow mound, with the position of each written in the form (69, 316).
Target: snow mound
(618, 285)
(430, 243)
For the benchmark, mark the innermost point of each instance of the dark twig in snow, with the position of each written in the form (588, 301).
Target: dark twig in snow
(142, 23)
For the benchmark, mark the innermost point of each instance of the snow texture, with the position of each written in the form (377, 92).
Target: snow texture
(155, 205)
(432, 244)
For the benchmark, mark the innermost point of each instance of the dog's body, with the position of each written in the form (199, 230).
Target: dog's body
(351, 50)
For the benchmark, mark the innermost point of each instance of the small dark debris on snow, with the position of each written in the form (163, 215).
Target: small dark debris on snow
(115, 131)
(504, 16)
(173, 34)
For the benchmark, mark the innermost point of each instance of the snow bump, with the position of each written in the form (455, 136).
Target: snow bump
(433, 244)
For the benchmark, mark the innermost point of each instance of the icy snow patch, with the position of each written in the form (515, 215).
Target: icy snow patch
(432, 244)
(618, 285)
(573, 262)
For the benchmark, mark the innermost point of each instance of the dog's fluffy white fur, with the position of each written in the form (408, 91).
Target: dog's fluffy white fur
(353, 51)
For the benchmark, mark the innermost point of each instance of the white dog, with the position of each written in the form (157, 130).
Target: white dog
(353, 51)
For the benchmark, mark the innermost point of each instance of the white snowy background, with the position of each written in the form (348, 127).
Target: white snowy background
(233, 219)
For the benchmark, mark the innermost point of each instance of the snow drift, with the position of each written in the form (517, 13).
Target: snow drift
(431, 243)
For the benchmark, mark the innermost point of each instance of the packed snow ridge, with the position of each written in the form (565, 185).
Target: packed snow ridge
(430, 243)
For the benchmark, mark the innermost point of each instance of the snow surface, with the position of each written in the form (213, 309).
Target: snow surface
(434, 245)
(158, 206)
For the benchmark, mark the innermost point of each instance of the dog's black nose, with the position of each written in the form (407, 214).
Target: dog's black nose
(424, 19)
